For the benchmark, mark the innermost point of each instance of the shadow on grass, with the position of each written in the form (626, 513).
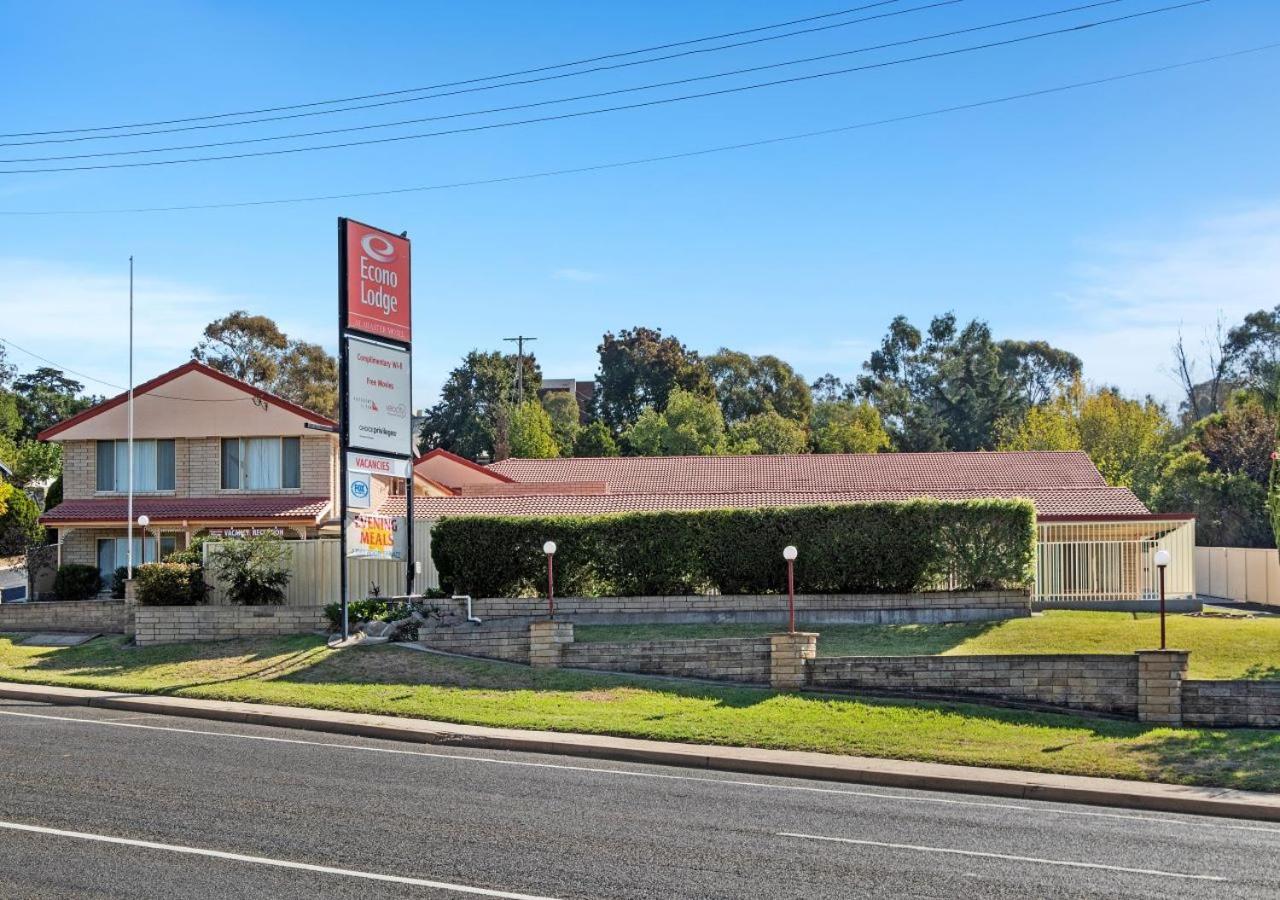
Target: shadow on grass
(1242, 758)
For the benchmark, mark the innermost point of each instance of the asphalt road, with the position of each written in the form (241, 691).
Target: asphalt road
(102, 803)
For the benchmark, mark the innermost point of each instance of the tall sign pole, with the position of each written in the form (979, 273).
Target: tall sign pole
(375, 394)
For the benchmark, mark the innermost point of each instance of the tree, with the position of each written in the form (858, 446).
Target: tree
(950, 388)
(254, 570)
(33, 462)
(691, 425)
(45, 397)
(1253, 353)
(768, 432)
(1204, 396)
(531, 433)
(1126, 439)
(19, 525)
(308, 376)
(752, 385)
(562, 407)
(243, 346)
(640, 368)
(828, 388)
(471, 417)
(595, 439)
(843, 426)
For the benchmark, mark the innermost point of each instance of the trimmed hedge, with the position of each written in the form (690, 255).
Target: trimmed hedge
(862, 548)
(170, 584)
(75, 581)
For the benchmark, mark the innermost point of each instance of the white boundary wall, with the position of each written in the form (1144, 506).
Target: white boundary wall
(1239, 573)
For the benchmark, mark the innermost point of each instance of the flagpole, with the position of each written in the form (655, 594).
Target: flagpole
(129, 529)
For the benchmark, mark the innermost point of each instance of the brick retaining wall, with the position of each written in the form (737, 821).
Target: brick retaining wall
(812, 609)
(504, 639)
(1103, 683)
(176, 624)
(1222, 704)
(70, 615)
(725, 659)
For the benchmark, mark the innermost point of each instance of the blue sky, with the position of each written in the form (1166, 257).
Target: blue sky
(1103, 219)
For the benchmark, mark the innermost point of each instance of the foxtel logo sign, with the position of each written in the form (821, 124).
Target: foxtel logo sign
(378, 294)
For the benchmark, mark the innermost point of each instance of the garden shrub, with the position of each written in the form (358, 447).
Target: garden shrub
(74, 581)
(170, 584)
(254, 571)
(882, 547)
(118, 579)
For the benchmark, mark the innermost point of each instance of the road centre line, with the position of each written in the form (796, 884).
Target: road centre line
(268, 861)
(877, 795)
(1005, 856)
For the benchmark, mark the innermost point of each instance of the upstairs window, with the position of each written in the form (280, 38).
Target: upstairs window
(261, 464)
(153, 466)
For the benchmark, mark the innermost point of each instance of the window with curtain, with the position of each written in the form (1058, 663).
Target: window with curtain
(261, 464)
(154, 465)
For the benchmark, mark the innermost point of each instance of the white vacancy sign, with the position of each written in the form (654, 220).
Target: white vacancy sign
(378, 398)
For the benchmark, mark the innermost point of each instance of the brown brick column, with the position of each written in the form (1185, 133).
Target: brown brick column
(546, 643)
(788, 659)
(1160, 676)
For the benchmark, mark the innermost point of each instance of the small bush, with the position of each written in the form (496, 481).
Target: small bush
(77, 582)
(118, 579)
(170, 584)
(255, 571)
(857, 548)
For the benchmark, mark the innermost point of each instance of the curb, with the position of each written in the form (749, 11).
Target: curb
(944, 778)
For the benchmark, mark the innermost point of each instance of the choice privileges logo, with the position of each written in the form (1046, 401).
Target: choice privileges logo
(378, 295)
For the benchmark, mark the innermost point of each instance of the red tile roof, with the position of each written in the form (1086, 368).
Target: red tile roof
(169, 510)
(986, 474)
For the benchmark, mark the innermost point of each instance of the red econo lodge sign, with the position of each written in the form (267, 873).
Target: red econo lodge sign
(377, 282)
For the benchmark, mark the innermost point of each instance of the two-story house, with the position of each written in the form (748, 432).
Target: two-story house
(211, 454)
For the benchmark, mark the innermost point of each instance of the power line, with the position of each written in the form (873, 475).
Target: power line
(513, 74)
(591, 112)
(688, 154)
(119, 387)
(541, 103)
(490, 87)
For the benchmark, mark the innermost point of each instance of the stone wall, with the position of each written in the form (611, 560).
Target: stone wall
(506, 639)
(811, 609)
(177, 624)
(1101, 683)
(1223, 704)
(725, 659)
(72, 615)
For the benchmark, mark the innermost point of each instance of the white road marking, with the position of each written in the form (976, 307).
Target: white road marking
(1006, 856)
(1203, 822)
(268, 861)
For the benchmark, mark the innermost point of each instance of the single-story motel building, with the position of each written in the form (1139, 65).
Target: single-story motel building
(215, 455)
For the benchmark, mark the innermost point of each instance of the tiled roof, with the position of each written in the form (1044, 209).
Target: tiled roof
(1092, 501)
(192, 509)
(862, 474)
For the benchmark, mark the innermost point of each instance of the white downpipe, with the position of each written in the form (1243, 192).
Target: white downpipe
(470, 618)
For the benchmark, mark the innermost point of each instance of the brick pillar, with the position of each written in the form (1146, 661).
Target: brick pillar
(788, 656)
(130, 606)
(1160, 675)
(546, 641)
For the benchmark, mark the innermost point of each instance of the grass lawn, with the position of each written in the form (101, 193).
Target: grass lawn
(1226, 647)
(301, 671)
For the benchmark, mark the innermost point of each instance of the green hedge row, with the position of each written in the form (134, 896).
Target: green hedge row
(863, 548)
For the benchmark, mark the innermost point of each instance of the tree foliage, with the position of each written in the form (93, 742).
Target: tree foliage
(749, 386)
(20, 526)
(566, 418)
(44, 398)
(531, 433)
(691, 425)
(254, 571)
(473, 416)
(639, 369)
(845, 426)
(767, 432)
(595, 439)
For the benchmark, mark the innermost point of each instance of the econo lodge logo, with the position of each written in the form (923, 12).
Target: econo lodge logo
(381, 249)
(378, 283)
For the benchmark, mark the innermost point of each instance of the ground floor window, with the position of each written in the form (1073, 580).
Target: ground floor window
(114, 552)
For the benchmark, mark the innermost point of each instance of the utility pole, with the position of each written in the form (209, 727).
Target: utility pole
(519, 340)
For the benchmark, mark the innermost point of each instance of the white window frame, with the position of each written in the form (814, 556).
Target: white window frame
(242, 459)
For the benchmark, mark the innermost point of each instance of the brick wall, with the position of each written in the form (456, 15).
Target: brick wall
(1103, 683)
(810, 609)
(81, 615)
(176, 624)
(507, 639)
(1223, 704)
(725, 659)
